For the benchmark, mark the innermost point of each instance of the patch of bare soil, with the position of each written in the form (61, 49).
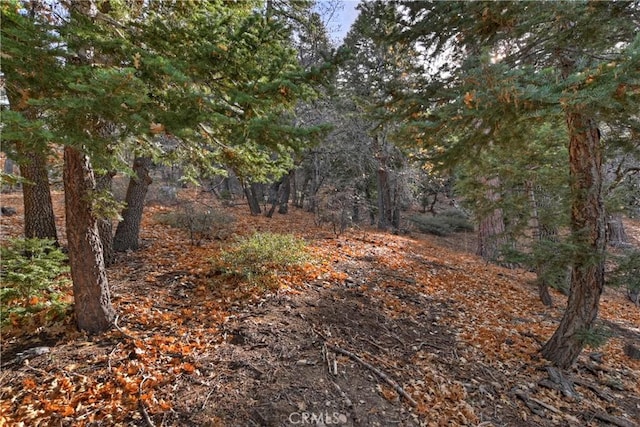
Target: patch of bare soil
(286, 367)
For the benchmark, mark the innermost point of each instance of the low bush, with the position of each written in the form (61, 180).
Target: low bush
(32, 276)
(262, 256)
(443, 224)
(627, 274)
(201, 223)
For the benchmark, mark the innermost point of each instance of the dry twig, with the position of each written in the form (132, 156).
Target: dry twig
(122, 331)
(143, 409)
(375, 370)
(534, 407)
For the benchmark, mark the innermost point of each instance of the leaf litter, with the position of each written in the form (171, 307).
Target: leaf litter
(380, 330)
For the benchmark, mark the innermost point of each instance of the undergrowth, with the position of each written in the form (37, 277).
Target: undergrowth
(33, 280)
(443, 224)
(627, 274)
(261, 257)
(201, 223)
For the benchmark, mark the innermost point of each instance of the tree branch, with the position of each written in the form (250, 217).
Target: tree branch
(375, 370)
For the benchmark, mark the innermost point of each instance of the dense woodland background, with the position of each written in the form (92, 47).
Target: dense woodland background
(220, 198)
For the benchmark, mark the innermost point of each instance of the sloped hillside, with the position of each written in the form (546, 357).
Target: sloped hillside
(378, 330)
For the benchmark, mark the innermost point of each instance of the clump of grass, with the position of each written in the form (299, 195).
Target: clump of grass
(443, 224)
(32, 280)
(261, 257)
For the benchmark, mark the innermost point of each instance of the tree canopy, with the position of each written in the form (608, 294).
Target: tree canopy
(494, 70)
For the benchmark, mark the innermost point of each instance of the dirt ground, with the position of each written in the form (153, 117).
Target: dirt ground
(386, 331)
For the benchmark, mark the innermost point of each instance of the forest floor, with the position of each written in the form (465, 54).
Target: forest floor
(381, 330)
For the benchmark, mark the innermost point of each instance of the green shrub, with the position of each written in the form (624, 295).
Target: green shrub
(263, 254)
(443, 224)
(31, 278)
(553, 259)
(200, 223)
(627, 273)
(595, 337)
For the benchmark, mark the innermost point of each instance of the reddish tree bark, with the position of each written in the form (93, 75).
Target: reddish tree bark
(92, 301)
(588, 230)
(491, 227)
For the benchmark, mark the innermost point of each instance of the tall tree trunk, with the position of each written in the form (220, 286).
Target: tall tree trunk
(105, 226)
(306, 192)
(385, 216)
(382, 207)
(274, 197)
(250, 191)
(616, 236)
(395, 208)
(371, 205)
(355, 209)
(588, 231)
(295, 190)
(543, 289)
(92, 301)
(385, 202)
(39, 220)
(128, 231)
(316, 183)
(285, 187)
(279, 196)
(491, 227)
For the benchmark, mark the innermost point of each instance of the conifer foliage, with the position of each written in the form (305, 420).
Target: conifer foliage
(108, 78)
(492, 70)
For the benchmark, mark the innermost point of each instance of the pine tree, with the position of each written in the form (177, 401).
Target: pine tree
(495, 67)
(217, 76)
(76, 54)
(28, 63)
(378, 67)
(239, 84)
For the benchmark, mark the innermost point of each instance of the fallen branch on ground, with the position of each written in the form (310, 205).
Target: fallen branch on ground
(601, 394)
(375, 370)
(617, 421)
(533, 406)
